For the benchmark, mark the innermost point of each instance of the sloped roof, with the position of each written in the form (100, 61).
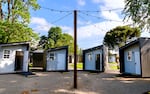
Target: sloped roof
(38, 51)
(93, 48)
(57, 48)
(15, 44)
(133, 42)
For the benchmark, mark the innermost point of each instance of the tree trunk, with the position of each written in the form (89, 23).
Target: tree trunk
(1, 11)
(8, 8)
(12, 10)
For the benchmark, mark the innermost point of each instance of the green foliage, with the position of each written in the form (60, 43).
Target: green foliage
(56, 38)
(16, 32)
(66, 39)
(17, 10)
(138, 11)
(55, 33)
(120, 35)
(14, 19)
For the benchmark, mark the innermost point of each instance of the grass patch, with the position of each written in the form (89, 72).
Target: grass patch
(79, 65)
(113, 66)
(112, 62)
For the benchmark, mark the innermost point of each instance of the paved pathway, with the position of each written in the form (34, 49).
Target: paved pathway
(61, 83)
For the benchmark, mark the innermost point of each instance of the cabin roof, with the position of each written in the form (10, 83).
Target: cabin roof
(38, 51)
(14, 44)
(57, 48)
(133, 43)
(93, 48)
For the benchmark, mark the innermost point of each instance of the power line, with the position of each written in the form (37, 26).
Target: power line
(43, 26)
(99, 17)
(55, 10)
(91, 24)
(85, 12)
(115, 9)
(83, 18)
(61, 18)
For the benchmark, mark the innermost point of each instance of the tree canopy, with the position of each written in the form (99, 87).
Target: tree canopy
(16, 32)
(14, 19)
(138, 11)
(120, 35)
(17, 10)
(56, 38)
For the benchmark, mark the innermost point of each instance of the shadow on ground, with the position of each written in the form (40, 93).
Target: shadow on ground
(62, 83)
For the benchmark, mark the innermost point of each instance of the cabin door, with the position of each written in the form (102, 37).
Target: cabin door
(97, 62)
(19, 61)
(61, 61)
(137, 63)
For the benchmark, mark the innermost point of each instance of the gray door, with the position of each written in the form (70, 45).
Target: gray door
(61, 62)
(137, 63)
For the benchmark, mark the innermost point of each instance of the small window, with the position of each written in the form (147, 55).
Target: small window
(89, 56)
(52, 57)
(129, 56)
(6, 54)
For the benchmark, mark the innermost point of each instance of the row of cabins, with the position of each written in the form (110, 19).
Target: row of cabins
(57, 59)
(14, 57)
(134, 58)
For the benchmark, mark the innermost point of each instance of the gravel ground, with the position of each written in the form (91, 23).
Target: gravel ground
(62, 83)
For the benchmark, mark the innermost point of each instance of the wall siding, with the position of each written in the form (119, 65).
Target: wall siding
(8, 65)
(145, 57)
(91, 65)
(53, 65)
(129, 65)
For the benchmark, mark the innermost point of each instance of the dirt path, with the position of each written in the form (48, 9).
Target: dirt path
(61, 83)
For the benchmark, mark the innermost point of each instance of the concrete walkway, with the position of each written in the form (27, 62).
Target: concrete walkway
(61, 83)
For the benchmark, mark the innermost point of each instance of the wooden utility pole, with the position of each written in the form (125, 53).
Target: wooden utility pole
(75, 49)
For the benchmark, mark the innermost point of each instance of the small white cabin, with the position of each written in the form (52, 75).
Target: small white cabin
(94, 58)
(57, 59)
(14, 57)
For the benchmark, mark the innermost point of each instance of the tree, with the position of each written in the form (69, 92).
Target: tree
(66, 39)
(43, 41)
(54, 34)
(17, 10)
(56, 38)
(16, 32)
(138, 11)
(14, 19)
(120, 35)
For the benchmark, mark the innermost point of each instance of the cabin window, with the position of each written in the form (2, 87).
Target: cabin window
(52, 56)
(89, 56)
(6, 54)
(129, 56)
